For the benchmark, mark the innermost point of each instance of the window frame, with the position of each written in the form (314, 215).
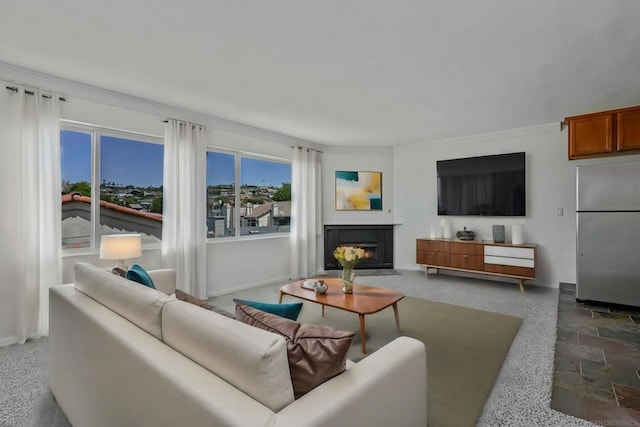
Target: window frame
(96, 132)
(238, 156)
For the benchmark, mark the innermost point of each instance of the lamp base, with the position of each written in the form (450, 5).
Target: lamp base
(118, 271)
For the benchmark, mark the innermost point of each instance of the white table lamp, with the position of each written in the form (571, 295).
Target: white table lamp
(120, 247)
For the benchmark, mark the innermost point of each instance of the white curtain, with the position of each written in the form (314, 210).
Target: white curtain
(184, 226)
(31, 220)
(306, 217)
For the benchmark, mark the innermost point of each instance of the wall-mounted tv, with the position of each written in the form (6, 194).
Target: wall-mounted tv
(487, 185)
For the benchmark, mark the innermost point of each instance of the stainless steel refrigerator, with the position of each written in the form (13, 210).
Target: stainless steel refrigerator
(608, 228)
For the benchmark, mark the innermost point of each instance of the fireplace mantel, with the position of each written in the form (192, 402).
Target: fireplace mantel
(376, 239)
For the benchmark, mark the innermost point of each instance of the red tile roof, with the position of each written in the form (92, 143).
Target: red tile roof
(77, 197)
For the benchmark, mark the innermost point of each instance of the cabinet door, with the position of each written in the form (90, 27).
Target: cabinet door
(511, 270)
(466, 248)
(467, 262)
(432, 245)
(590, 135)
(436, 259)
(628, 130)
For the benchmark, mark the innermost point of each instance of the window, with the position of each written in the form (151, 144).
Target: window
(264, 195)
(221, 194)
(126, 177)
(75, 165)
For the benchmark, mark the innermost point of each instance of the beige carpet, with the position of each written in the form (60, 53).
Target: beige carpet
(465, 350)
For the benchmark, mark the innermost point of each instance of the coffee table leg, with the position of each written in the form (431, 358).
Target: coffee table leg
(395, 313)
(281, 295)
(363, 334)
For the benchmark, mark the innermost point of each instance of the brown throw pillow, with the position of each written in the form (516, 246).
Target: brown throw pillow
(316, 353)
(183, 296)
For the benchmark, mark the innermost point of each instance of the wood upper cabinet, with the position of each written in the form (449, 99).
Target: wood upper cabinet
(604, 133)
(590, 135)
(628, 134)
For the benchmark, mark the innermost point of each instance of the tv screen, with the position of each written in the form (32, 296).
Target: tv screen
(487, 185)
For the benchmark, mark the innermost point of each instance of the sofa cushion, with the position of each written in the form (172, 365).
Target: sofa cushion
(140, 275)
(140, 305)
(289, 311)
(316, 353)
(252, 360)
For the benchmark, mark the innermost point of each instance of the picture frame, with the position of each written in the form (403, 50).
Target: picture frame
(358, 191)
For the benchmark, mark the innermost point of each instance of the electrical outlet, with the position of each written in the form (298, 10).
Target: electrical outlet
(559, 211)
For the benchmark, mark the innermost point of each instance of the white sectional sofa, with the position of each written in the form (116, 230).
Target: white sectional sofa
(122, 354)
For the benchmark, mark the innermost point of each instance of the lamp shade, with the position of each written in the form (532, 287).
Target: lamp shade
(120, 246)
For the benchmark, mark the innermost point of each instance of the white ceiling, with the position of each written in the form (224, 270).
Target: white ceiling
(343, 72)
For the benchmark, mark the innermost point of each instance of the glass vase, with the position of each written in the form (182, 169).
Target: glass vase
(347, 280)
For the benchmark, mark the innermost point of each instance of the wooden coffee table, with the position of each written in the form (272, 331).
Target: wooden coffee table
(364, 300)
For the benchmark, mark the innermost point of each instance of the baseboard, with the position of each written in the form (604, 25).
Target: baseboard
(9, 341)
(281, 280)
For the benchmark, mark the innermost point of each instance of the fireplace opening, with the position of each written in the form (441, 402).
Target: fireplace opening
(376, 240)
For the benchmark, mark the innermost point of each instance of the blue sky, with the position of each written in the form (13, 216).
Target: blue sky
(132, 163)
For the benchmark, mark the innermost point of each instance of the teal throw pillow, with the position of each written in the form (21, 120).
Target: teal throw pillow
(288, 311)
(139, 274)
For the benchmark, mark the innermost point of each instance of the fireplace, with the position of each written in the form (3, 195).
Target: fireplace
(376, 240)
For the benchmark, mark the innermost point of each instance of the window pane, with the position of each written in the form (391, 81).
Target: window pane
(265, 196)
(220, 194)
(131, 188)
(75, 168)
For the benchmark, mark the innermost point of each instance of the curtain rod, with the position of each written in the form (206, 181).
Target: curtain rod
(30, 92)
(307, 148)
(193, 125)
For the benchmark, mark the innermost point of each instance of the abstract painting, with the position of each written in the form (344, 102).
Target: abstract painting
(358, 191)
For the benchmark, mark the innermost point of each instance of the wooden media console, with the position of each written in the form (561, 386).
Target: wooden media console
(477, 256)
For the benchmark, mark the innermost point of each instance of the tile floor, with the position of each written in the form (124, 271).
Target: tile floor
(597, 361)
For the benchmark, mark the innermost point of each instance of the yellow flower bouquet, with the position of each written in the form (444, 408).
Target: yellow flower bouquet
(348, 256)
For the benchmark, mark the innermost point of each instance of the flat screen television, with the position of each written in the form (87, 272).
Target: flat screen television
(487, 185)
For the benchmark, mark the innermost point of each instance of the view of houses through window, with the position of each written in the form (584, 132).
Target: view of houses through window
(264, 195)
(127, 180)
(124, 172)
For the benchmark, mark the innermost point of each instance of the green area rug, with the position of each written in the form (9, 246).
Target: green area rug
(465, 350)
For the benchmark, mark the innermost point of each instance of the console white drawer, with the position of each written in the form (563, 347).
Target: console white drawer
(503, 260)
(508, 251)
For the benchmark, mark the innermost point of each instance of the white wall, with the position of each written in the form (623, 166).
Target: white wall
(81, 110)
(357, 159)
(354, 159)
(550, 185)
(243, 264)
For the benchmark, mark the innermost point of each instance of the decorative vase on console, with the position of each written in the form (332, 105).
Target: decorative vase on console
(348, 257)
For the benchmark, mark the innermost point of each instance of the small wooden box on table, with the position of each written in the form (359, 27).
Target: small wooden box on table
(477, 256)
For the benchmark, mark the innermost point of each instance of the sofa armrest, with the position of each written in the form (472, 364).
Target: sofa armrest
(164, 280)
(387, 388)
